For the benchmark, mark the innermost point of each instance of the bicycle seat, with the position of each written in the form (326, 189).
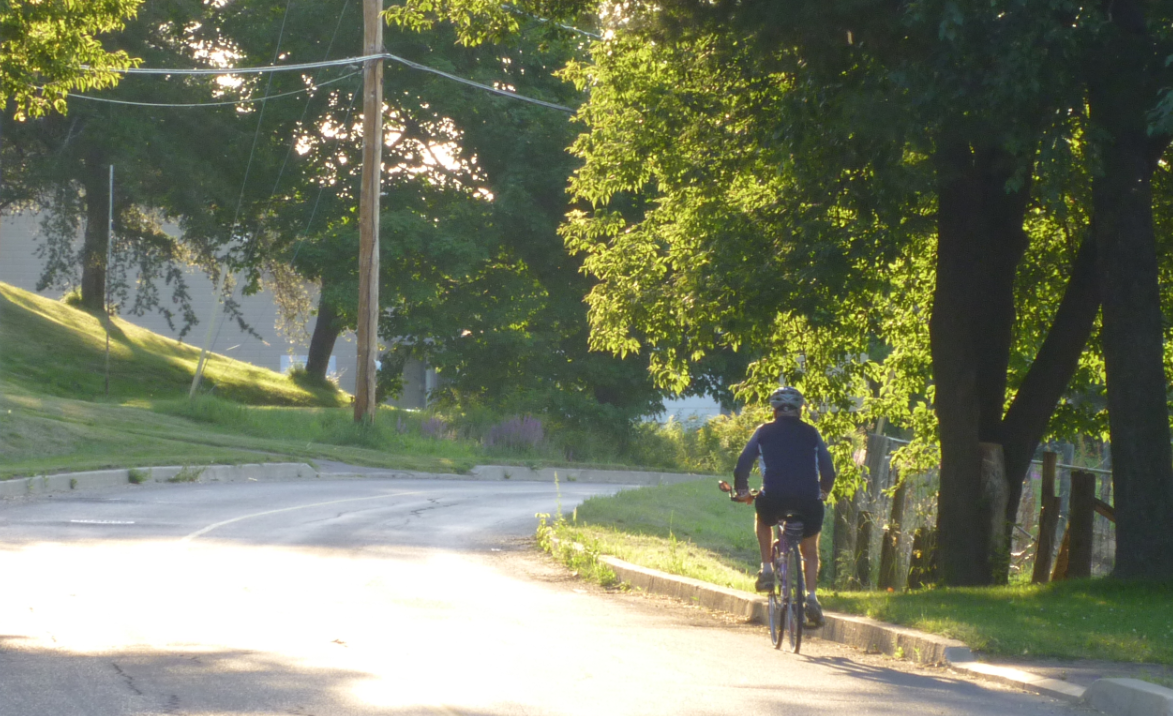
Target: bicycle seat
(790, 516)
(791, 524)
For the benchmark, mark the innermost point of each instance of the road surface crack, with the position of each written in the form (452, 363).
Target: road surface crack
(435, 504)
(126, 677)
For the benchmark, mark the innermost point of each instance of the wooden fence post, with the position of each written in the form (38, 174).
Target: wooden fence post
(843, 543)
(1048, 521)
(889, 556)
(863, 549)
(1080, 524)
(922, 568)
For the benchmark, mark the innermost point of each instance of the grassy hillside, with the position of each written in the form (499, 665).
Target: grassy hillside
(55, 415)
(43, 434)
(54, 349)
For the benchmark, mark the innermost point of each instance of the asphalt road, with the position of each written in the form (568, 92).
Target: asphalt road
(382, 597)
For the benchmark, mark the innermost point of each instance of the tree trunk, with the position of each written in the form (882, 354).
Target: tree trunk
(1042, 387)
(1122, 89)
(326, 330)
(96, 181)
(994, 498)
(980, 243)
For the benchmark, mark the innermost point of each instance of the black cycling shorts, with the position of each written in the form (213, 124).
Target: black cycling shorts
(770, 510)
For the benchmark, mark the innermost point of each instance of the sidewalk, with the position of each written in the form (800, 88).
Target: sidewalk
(1108, 686)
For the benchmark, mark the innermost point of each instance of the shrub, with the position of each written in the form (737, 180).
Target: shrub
(517, 434)
(73, 297)
(436, 429)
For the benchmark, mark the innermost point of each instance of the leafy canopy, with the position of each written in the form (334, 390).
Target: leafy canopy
(49, 48)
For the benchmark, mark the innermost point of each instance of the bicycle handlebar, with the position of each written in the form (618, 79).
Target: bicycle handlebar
(747, 499)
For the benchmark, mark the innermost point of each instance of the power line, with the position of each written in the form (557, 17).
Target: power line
(346, 61)
(478, 85)
(249, 100)
(239, 70)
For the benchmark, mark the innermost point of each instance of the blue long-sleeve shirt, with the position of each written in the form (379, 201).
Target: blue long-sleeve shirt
(793, 457)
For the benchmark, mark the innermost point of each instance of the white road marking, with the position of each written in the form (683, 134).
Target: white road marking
(216, 525)
(102, 522)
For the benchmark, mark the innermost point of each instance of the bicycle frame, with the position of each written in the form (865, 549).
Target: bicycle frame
(787, 613)
(780, 609)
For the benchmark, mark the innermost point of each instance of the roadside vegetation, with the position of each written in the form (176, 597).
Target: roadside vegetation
(55, 414)
(694, 531)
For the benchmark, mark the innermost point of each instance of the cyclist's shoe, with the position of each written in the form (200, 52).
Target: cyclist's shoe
(765, 581)
(814, 612)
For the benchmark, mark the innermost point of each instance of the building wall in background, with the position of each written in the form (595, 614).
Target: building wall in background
(690, 408)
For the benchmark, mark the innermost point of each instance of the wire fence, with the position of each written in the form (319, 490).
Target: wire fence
(877, 536)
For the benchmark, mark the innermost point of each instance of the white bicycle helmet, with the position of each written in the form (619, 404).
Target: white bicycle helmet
(788, 399)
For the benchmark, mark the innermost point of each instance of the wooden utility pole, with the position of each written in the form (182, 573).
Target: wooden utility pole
(365, 403)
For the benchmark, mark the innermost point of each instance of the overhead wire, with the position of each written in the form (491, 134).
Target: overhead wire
(243, 100)
(346, 61)
(239, 70)
(478, 85)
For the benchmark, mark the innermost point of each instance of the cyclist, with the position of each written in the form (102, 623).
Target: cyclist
(797, 475)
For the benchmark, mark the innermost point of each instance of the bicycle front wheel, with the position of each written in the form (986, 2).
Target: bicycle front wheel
(774, 607)
(795, 598)
(777, 615)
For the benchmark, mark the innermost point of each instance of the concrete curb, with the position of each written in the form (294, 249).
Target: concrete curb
(108, 479)
(1130, 697)
(277, 471)
(860, 632)
(1116, 697)
(581, 474)
(1027, 681)
(514, 473)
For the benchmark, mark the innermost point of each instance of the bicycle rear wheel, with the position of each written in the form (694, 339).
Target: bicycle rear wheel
(795, 598)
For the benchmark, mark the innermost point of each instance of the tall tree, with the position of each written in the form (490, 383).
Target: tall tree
(171, 162)
(475, 277)
(1126, 69)
(980, 88)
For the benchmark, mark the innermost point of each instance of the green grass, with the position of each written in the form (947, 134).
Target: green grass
(694, 531)
(1079, 619)
(56, 350)
(41, 434)
(394, 431)
(690, 529)
(56, 417)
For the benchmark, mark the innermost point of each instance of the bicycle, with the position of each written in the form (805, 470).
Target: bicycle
(786, 601)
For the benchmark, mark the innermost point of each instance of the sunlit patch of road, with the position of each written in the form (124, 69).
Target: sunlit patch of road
(352, 600)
